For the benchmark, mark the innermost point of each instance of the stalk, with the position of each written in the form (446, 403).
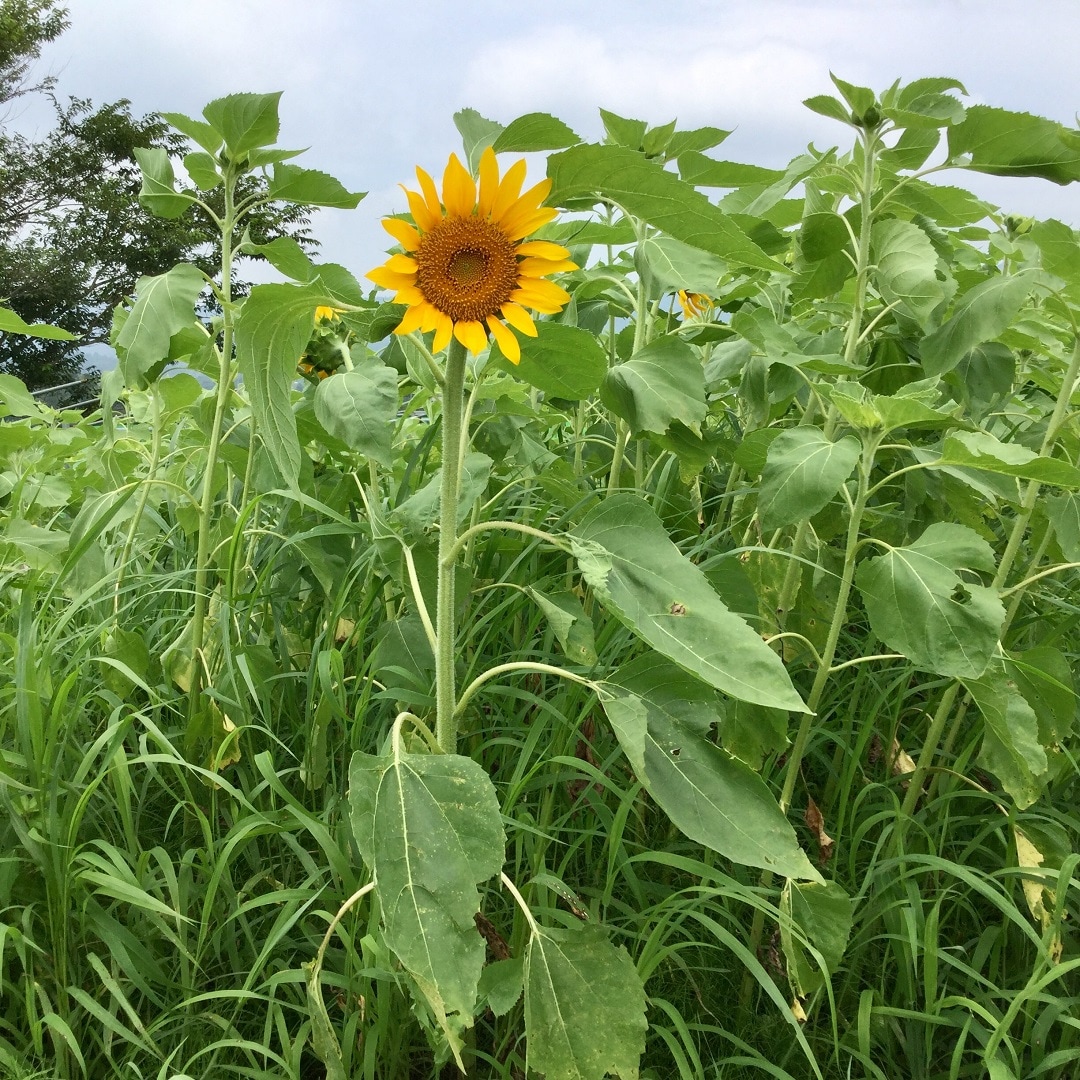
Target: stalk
(452, 409)
(206, 504)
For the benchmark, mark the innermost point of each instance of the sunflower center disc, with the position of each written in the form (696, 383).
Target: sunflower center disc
(466, 268)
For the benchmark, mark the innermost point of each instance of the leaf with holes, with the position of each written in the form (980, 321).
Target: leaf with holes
(429, 829)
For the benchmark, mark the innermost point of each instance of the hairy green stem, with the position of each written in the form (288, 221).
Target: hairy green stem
(206, 503)
(452, 410)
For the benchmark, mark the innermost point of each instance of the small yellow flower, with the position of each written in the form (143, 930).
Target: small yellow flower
(327, 314)
(468, 270)
(694, 304)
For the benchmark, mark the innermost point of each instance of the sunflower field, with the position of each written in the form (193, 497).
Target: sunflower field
(629, 632)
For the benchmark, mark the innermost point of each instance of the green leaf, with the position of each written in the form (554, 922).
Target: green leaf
(158, 193)
(624, 132)
(165, 305)
(803, 471)
(584, 1006)
(1007, 143)
(501, 984)
(676, 265)
(285, 255)
(1060, 251)
(978, 450)
(640, 576)
(1045, 678)
(1010, 747)
(981, 314)
(561, 360)
(1064, 514)
(205, 135)
(477, 133)
(533, 132)
(826, 105)
(271, 334)
(202, 168)
(15, 399)
(429, 829)
(705, 171)
(359, 406)
(920, 606)
(906, 269)
(694, 141)
(572, 627)
(860, 98)
(662, 718)
(823, 913)
(245, 121)
(660, 383)
(12, 323)
(311, 188)
(648, 191)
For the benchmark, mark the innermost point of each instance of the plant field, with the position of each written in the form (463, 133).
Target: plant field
(630, 632)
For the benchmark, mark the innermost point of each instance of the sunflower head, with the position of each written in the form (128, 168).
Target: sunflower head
(693, 304)
(467, 269)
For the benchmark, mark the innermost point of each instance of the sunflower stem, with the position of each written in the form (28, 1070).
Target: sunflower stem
(452, 410)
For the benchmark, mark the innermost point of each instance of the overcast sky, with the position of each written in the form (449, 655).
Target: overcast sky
(371, 87)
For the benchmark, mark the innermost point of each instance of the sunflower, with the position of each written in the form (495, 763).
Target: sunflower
(693, 304)
(467, 269)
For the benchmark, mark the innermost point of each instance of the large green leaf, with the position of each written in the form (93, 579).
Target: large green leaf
(646, 190)
(1008, 143)
(662, 717)
(532, 132)
(312, 188)
(1010, 748)
(660, 383)
(158, 193)
(561, 360)
(358, 407)
(978, 450)
(584, 1006)
(920, 606)
(676, 265)
(245, 121)
(980, 315)
(906, 269)
(12, 323)
(823, 913)
(275, 325)
(1045, 678)
(206, 135)
(640, 576)
(803, 471)
(429, 829)
(1064, 514)
(165, 305)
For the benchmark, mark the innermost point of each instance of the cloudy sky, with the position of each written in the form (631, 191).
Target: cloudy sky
(371, 87)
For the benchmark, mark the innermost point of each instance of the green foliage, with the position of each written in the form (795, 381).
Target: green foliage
(693, 698)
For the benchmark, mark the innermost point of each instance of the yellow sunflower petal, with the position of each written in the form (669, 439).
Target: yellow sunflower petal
(509, 188)
(410, 295)
(431, 196)
(471, 335)
(538, 267)
(402, 232)
(543, 249)
(388, 279)
(444, 330)
(519, 319)
(505, 338)
(489, 183)
(401, 264)
(412, 320)
(516, 225)
(521, 227)
(459, 189)
(424, 218)
(546, 292)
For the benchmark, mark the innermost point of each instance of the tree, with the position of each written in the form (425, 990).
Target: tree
(73, 237)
